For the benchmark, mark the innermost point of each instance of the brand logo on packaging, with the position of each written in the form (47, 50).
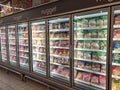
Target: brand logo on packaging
(49, 11)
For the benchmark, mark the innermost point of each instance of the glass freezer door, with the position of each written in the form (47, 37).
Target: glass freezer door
(23, 45)
(39, 46)
(59, 48)
(116, 50)
(90, 49)
(12, 44)
(3, 44)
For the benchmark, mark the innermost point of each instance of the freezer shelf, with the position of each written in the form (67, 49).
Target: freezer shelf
(59, 30)
(89, 83)
(90, 39)
(59, 47)
(60, 77)
(92, 50)
(39, 70)
(88, 60)
(63, 65)
(90, 28)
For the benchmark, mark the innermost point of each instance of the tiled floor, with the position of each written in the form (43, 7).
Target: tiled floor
(13, 82)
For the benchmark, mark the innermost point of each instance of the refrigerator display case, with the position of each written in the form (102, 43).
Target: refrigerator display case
(23, 45)
(3, 44)
(12, 44)
(90, 49)
(116, 50)
(39, 46)
(59, 42)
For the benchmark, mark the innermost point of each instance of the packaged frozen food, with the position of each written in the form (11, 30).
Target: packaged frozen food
(116, 46)
(101, 34)
(94, 79)
(81, 64)
(79, 35)
(96, 67)
(79, 24)
(80, 44)
(103, 45)
(117, 19)
(102, 57)
(79, 76)
(95, 45)
(103, 68)
(115, 84)
(116, 70)
(116, 58)
(116, 33)
(87, 35)
(87, 45)
(99, 22)
(85, 23)
(94, 35)
(80, 54)
(102, 81)
(87, 65)
(105, 20)
(86, 77)
(94, 56)
(76, 63)
(87, 55)
(92, 23)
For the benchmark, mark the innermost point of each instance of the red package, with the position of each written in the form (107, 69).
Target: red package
(116, 70)
(102, 80)
(86, 77)
(95, 79)
(116, 33)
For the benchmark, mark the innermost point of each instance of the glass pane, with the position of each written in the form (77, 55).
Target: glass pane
(39, 46)
(3, 44)
(116, 51)
(59, 48)
(12, 44)
(23, 45)
(90, 47)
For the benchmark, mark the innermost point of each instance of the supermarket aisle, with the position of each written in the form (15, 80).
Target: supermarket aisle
(12, 82)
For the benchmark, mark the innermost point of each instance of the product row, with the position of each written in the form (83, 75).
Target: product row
(61, 52)
(38, 35)
(59, 35)
(62, 61)
(92, 78)
(90, 56)
(90, 66)
(60, 25)
(60, 70)
(94, 34)
(38, 27)
(60, 43)
(98, 45)
(92, 22)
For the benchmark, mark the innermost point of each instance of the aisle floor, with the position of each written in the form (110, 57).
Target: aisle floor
(12, 81)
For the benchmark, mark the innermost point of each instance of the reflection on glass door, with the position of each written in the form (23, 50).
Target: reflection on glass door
(39, 47)
(3, 44)
(90, 49)
(59, 48)
(116, 51)
(23, 45)
(12, 44)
